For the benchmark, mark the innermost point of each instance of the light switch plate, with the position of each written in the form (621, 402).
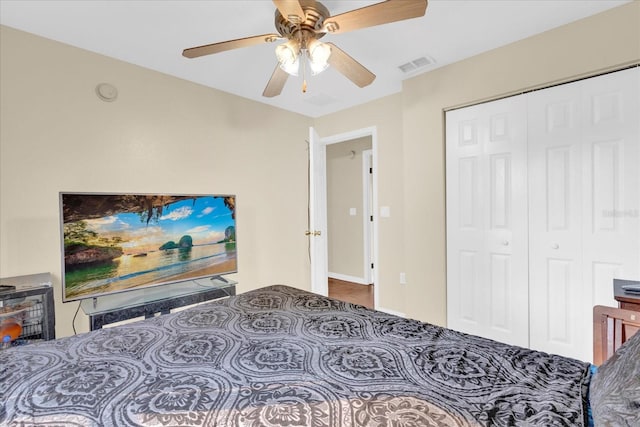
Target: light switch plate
(385, 211)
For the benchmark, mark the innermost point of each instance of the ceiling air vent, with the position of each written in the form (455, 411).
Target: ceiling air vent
(416, 64)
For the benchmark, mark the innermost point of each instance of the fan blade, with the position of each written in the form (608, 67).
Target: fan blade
(276, 83)
(290, 10)
(376, 14)
(351, 68)
(208, 49)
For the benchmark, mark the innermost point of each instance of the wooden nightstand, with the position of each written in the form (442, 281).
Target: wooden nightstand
(626, 300)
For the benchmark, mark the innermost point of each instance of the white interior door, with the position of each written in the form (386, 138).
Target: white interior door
(317, 232)
(555, 220)
(487, 292)
(584, 152)
(611, 167)
(580, 158)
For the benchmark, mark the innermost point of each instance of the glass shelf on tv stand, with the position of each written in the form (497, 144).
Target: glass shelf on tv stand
(157, 299)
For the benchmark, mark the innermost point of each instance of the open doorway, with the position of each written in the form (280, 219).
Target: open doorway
(346, 176)
(349, 219)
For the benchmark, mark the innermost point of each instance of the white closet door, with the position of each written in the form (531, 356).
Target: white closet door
(584, 191)
(487, 221)
(555, 220)
(611, 170)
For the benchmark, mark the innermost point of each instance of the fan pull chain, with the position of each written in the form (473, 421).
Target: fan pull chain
(304, 70)
(303, 55)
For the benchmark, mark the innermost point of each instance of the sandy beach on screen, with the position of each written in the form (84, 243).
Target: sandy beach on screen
(223, 267)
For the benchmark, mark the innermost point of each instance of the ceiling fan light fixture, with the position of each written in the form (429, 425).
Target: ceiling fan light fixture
(319, 54)
(288, 57)
(317, 68)
(292, 68)
(302, 23)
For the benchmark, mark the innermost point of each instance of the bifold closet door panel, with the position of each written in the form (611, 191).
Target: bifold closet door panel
(487, 292)
(584, 190)
(555, 220)
(611, 167)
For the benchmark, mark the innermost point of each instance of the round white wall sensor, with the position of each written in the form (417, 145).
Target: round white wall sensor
(107, 92)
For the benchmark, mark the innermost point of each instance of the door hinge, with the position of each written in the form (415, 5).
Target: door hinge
(371, 218)
(371, 265)
(370, 170)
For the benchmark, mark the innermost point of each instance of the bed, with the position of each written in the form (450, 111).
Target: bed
(280, 356)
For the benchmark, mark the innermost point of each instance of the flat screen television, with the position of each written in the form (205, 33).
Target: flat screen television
(120, 242)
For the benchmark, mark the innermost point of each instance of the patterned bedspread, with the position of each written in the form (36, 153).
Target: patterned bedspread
(279, 356)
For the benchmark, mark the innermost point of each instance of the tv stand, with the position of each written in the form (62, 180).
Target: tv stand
(149, 302)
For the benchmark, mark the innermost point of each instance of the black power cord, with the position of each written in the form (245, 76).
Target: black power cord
(73, 322)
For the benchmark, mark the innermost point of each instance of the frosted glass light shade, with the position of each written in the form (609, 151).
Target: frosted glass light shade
(288, 57)
(319, 54)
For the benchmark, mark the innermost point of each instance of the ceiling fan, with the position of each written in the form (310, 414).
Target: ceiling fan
(302, 23)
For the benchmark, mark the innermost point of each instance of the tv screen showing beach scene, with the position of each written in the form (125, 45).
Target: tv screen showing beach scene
(119, 242)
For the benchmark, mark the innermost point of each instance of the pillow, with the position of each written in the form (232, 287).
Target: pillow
(614, 393)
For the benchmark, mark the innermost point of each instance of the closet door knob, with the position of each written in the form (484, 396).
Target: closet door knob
(505, 242)
(555, 246)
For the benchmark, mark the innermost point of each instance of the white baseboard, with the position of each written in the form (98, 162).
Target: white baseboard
(347, 278)
(395, 313)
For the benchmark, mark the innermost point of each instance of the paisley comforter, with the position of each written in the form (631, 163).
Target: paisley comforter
(279, 356)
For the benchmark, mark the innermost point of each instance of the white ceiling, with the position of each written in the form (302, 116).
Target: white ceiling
(153, 34)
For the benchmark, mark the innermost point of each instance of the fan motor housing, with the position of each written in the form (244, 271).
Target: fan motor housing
(315, 15)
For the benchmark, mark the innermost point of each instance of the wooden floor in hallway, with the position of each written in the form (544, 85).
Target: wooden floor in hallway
(351, 292)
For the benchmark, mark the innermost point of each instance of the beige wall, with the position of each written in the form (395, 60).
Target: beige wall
(411, 152)
(345, 191)
(386, 115)
(162, 134)
(167, 135)
(602, 42)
